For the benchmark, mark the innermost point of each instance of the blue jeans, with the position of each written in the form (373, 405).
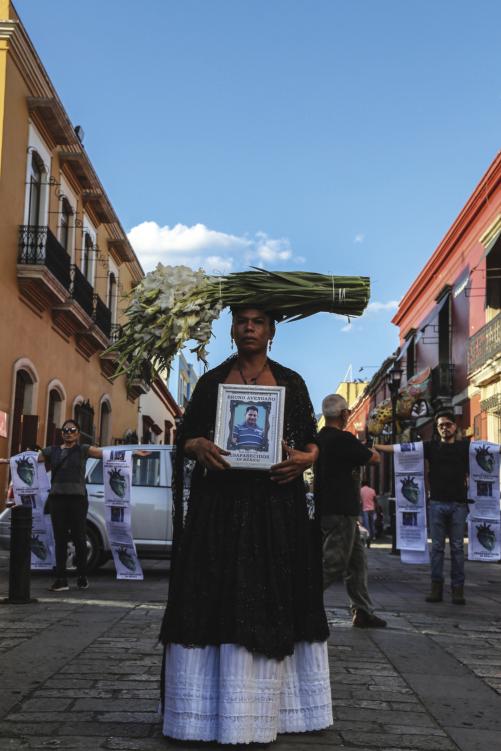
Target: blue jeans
(447, 520)
(369, 518)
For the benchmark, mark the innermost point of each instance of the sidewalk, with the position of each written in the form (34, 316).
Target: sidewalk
(80, 670)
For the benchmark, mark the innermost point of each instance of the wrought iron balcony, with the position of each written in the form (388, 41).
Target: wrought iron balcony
(485, 344)
(442, 380)
(39, 247)
(115, 333)
(82, 291)
(109, 360)
(43, 267)
(102, 316)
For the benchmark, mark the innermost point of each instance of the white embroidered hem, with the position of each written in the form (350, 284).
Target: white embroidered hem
(230, 695)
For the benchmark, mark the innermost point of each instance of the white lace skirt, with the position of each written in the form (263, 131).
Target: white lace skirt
(229, 695)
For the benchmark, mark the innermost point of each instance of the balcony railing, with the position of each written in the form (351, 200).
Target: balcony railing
(485, 344)
(115, 332)
(39, 247)
(81, 291)
(102, 316)
(442, 380)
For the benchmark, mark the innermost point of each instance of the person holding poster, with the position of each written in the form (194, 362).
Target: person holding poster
(447, 472)
(67, 502)
(338, 496)
(245, 631)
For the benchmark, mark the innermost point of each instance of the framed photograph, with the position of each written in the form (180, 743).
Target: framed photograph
(249, 424)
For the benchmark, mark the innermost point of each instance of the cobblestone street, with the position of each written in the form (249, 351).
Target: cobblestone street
(80, 669)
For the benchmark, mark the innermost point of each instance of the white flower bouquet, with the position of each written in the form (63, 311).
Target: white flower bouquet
(174, 304)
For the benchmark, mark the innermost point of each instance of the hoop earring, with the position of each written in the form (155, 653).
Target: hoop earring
(269, 345)
(231, 341)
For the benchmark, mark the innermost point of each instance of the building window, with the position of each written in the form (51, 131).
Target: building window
(35, 190)
(54, 417)
(86, 260)
(112, 295)
(84, 415)
(24, 424)
(65, 225)
(105, 423)
(493, 281)
(411, 359)
(444, 333)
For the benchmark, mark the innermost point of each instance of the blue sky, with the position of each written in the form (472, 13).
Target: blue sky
(338, 137)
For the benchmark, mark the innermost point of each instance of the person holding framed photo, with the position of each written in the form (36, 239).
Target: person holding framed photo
(245, 631)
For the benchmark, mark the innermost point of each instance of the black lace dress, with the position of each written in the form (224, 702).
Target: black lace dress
(246, 566)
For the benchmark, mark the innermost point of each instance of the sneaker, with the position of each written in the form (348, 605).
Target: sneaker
(362, 619)
(60, 585)
(82, 582)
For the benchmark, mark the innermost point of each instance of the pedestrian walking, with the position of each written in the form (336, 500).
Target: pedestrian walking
(245, 628)
(368, 501)
(337, 493)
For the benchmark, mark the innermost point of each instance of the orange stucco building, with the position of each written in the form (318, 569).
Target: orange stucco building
(65, 266)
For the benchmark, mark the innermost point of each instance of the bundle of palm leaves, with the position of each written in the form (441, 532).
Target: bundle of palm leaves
(174, 304)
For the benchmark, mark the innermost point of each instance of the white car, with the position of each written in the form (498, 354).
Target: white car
(151, 507)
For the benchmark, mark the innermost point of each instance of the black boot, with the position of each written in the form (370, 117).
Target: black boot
(458, 595)
(437, 592)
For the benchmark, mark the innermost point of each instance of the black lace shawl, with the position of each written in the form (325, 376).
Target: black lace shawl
(246, 560)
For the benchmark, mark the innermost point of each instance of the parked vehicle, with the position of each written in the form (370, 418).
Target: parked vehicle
(151, 507)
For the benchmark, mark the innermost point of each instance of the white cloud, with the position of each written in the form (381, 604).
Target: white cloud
(198, 245)
(373, 308)
(377, 307)
(359, 237)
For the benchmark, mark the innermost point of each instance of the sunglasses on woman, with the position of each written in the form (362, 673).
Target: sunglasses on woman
(70, 430)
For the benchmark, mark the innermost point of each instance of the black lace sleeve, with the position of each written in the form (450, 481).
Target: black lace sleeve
(198, 420)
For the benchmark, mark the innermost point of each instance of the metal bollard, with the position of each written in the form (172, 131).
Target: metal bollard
(20, 556)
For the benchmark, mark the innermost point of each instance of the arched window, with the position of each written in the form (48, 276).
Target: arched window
(84, 415)
(54, 416)
(105, 424)
(35, 190)
(24, 423)
(65, 222)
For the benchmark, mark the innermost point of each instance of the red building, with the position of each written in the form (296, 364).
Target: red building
(450, 332)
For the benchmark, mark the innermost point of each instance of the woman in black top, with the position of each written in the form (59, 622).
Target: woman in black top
(245, 629)
(68, 502)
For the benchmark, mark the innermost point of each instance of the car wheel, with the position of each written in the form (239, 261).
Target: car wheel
(94, 551)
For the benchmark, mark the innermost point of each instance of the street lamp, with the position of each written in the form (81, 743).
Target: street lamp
(393, 380)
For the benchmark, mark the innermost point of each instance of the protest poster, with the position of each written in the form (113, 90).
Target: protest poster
(483, 495)
(483, 539)
(117, 475)
(31, 487)
(410, 498)
(483, 488)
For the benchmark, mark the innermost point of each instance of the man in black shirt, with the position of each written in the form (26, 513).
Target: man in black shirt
(447, 470)
(338, 497)
(448, 467)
